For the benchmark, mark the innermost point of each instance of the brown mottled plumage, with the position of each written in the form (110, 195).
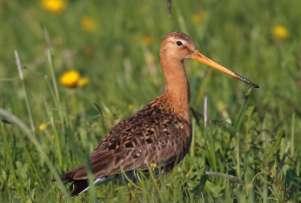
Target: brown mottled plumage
(160, 133)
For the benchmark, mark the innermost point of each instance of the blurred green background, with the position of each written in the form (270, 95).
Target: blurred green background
(88, 64)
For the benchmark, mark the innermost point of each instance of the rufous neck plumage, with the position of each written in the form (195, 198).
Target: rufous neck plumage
(176, 85)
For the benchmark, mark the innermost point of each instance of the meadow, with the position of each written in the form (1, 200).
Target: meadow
(69, 70)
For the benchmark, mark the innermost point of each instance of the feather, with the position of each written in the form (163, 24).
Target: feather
(154, 135)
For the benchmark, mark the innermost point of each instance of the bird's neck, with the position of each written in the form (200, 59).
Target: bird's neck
(176, 86)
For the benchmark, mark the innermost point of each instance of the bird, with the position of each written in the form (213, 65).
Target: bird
(160, 133)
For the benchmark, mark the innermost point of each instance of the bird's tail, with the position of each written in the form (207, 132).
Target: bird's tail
(78, 186)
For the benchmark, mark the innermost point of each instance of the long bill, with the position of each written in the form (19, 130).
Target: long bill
(205, 60)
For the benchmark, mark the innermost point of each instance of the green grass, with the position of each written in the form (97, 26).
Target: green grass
(249, 151)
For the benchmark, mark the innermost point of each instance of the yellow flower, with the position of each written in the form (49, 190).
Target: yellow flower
(54, 6)
(43, 126)
(88, 24)
(147, 40)
(83, 81)
(280, 32)
(198, 18)
(70, 78)
(153, 165)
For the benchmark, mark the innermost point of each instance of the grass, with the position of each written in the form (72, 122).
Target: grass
(249, 150)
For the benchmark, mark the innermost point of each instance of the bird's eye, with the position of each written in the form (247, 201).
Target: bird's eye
(179, 43)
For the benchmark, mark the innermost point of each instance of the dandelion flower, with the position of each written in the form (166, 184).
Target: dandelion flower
(83, 81)
(198, 18)
(280, 32)
(88, 24)
(54, 6)
(43, 126)
(153, 165)
(147, 40)
(70, 79)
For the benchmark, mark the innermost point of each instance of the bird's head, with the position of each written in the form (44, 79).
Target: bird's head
(178, 46)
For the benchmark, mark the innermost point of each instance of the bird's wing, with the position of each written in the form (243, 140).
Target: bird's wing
(152, 135)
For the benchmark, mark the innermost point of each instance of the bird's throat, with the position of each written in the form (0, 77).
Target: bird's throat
(176, 87)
